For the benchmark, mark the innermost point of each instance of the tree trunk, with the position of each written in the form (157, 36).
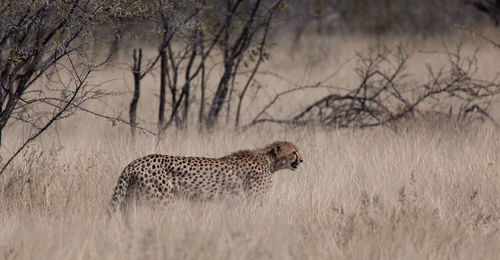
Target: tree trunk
(136, 71)
(202, 98)
(219, 98)
(161, 111)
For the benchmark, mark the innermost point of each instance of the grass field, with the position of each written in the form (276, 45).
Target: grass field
(426, 192)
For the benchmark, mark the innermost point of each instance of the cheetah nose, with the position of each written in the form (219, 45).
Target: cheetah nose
(301, 160)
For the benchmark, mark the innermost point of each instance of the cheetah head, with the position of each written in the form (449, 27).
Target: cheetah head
(285, 156)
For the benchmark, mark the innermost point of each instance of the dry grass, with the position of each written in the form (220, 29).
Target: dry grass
(427, 192)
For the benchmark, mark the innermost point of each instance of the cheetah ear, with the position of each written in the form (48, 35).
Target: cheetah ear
(276, 149)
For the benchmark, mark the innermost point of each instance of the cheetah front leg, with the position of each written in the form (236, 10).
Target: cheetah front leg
(257, 186)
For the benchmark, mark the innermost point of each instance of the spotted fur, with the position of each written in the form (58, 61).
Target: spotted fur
(164, 177)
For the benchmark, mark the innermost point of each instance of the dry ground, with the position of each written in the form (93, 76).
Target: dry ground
(425, 192)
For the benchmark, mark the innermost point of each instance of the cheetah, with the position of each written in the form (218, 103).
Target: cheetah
(163, 177)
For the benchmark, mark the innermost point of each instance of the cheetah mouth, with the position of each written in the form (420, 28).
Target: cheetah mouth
(294, 166)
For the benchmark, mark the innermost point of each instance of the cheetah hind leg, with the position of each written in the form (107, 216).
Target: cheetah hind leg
(120, 193)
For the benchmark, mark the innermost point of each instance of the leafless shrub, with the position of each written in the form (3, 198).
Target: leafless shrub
(385, 94)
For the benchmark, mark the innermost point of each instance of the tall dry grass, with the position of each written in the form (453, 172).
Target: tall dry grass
(424, 192)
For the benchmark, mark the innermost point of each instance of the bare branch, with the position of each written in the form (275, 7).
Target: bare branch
(80, 84)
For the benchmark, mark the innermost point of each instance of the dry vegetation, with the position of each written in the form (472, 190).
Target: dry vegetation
(424, 192)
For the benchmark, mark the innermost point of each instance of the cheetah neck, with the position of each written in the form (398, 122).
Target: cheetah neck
(271, 160)
(265, 152)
